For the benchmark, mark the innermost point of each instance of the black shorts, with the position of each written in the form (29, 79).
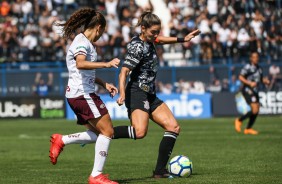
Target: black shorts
(138, 99)
(250, 97)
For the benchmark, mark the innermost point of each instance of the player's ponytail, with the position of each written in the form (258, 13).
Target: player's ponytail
(84, 18)
(148, 19)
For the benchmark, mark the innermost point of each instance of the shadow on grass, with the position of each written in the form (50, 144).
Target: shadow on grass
(150, 179)
(134, 180)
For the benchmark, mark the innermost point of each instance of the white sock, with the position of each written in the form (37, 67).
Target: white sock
(80, 138)
(101, 153)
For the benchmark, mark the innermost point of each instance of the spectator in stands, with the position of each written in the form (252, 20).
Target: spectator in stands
(111, 7)
(211, 15)
(272, 43)
(41, 87)
(235, 84)
(222, 37)
(16, 8)
(215, 87)
(27, 10)
(70, 5)
(46, 43)
(182, 86)
(117, 43)
(243, 38)
(225, 85)
(28, 46)
(165, 88)
(275, 77)
(213, 75)
(5, 8)
(197, 87)
(10, 44)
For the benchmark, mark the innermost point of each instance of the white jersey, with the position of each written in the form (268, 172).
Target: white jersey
(80, 82)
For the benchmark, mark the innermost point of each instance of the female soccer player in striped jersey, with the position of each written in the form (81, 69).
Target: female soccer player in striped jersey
(251, 76)
(80, 93)
(139, 95)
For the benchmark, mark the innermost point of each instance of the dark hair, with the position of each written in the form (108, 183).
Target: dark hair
(148, 19)
(86, 18)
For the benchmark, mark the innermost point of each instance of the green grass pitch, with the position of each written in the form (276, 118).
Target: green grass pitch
(219, 154)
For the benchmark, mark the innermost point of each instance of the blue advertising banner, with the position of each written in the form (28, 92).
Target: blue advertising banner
(182, 106)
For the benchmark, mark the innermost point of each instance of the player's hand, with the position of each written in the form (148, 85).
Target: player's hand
(111, 89)
(120, 100)
(113, 63)
(266, 81)
(191, 35)
(253, 84)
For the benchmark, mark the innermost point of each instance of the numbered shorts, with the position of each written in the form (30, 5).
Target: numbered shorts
(87, 107)
(251, 97)
(138, 99)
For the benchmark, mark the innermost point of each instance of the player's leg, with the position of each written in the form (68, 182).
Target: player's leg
(87, 137)
(58, 141)
(138, 129)
(138, 111)
(238, 121)
(104, 125)
(252, 119)
(164, 118)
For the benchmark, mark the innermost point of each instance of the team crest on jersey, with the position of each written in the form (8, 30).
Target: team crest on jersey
(103, 153)
(146, 105)
(254, 99)
(102, 106)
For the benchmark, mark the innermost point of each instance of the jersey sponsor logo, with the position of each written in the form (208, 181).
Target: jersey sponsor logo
(81, 47)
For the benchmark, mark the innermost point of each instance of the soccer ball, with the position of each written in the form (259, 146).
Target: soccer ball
(180, 166)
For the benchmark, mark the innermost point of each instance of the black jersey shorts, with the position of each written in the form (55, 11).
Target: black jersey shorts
(136, 98)
(250, 96)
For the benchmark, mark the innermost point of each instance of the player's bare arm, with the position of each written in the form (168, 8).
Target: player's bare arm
(266, 81)
(82, 63)
(171, 40)
(122, 80)
(247, 82)
(109, 87)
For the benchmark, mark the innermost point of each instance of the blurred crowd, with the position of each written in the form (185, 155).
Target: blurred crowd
(230, 28)
(217, 84)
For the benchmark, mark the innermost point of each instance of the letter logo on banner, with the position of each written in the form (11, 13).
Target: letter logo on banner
(8, 109)
(51, 108)
(182, 106)
(271, 102)
(188, 106)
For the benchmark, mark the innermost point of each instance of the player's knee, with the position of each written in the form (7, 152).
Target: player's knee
(109, 132)
(255, 110)
(174, 128)
(140, 134)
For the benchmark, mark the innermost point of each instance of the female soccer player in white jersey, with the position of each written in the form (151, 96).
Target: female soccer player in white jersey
(80, 93)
